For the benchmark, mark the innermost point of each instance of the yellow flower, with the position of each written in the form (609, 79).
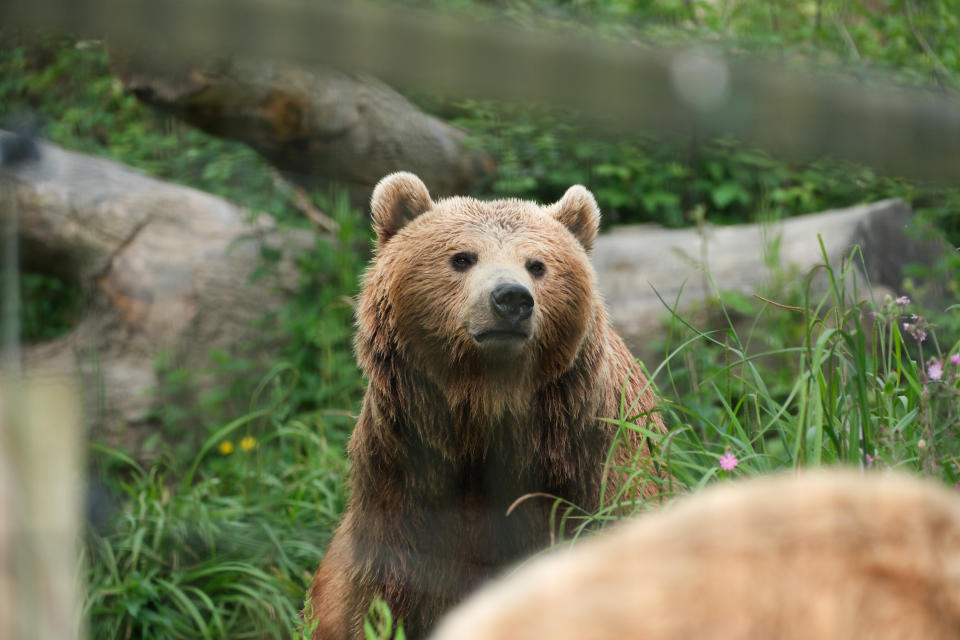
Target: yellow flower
(226, 447)
(248, 443)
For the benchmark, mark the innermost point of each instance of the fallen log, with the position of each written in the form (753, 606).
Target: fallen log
(315, 125)
(687, 266)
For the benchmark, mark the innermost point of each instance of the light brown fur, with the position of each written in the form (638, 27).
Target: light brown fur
(451, 433)
(822, 556)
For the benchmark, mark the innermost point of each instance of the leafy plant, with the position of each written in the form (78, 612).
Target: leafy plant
(223, 551)
(860, 387)
(379, 623)
(50, 307)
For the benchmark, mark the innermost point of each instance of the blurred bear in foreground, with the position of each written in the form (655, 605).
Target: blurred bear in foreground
(825, 555)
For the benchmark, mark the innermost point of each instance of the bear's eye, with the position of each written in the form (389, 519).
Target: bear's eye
(463, 260)
(536, 268)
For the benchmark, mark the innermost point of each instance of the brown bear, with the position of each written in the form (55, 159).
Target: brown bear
(493, 375)
(820, 556)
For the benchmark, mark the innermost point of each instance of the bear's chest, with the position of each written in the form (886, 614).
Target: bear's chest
(496, 507)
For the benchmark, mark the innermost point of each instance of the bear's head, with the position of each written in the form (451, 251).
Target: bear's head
(473, 293)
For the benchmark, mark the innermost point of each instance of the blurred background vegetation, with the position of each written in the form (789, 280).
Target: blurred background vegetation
(217, 535)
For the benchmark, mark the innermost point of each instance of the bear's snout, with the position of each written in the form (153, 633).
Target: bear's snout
(512, 302)
(502, 318)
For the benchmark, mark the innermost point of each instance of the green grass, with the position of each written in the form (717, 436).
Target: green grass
(225, 550)
(835, 378)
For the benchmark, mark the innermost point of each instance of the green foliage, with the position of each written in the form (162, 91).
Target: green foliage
(912, 39)
(814, 372)
(222, 543)
(915, 41)
(312, 372)
(309, 621)
(224, 551)
(379, 624)
(50, 307)
(67, 87)
(674, 180)
(319, 320)
(540, 153)
(825, 379)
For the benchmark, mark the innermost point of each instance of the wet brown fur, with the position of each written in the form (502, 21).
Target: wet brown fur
(450, 436)
(823, 556)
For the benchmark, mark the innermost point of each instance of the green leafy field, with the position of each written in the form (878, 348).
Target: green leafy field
(220, 539)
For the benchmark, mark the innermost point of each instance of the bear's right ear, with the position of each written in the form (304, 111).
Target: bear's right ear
(396, 200)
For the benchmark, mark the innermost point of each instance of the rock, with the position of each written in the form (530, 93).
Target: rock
(165, 270)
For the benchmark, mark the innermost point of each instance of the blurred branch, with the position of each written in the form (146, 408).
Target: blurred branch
(301, 201)
(618, 86)
(842, 27)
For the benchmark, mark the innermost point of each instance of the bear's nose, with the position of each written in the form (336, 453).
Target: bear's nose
(512, 302)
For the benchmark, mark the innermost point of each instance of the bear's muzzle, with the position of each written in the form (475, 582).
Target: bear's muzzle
(513, 303)
(507, 320)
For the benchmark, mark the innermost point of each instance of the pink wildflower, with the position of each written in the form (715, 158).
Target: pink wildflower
(869, 460)
(916, 331)
(934, 369)
(902, 301)
(955, 359)
(728, 462)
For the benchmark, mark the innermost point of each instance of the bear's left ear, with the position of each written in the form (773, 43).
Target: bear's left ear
(577, 210)
(397, 199)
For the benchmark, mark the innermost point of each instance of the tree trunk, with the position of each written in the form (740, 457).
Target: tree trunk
(313, 125)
